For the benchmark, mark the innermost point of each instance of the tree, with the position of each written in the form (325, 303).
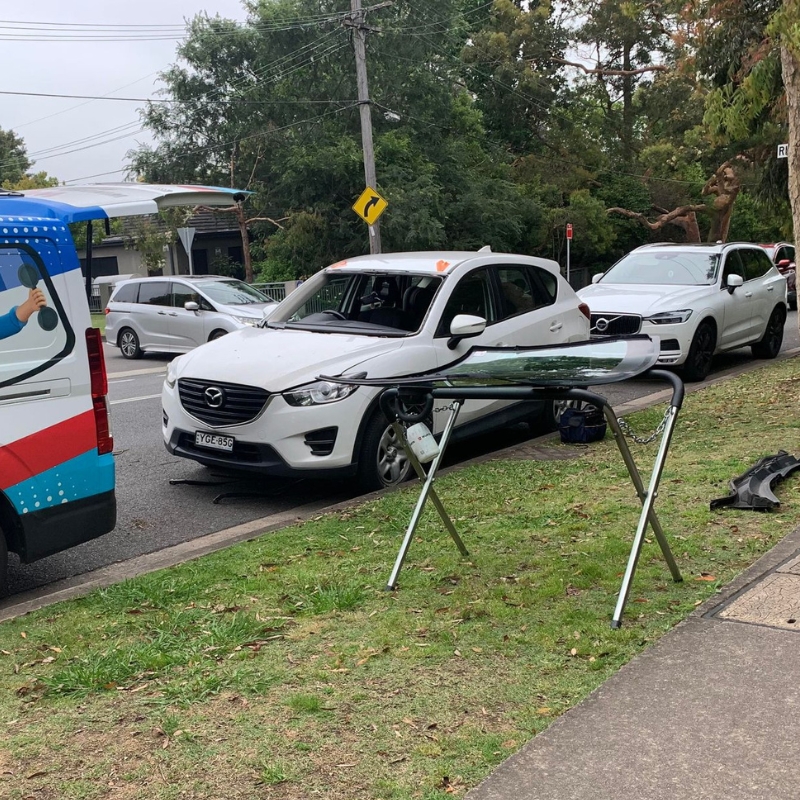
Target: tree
(14, 161)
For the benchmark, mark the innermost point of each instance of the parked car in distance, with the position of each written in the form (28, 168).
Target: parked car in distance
(254, 401)
(699, 299)
(783, 257)
(175, 314)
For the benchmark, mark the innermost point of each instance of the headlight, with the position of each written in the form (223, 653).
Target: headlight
(670, 317)
(318, 393)
(248, 320)
(172, 373)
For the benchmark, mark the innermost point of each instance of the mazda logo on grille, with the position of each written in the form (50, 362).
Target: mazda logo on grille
(601, 324)
(215, 398)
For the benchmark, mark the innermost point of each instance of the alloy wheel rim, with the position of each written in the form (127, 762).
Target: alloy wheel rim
(392, 460)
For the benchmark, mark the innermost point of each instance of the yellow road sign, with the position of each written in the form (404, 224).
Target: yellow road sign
(370, 206)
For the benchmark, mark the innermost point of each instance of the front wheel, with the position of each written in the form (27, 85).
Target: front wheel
(4, 587)
(770, 344)
(550, 417)
(217, 334)
(382, 461)
(129, 344)
(701, 352)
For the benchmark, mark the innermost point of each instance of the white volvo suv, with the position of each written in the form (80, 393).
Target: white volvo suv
(253, 399)
(699, 299)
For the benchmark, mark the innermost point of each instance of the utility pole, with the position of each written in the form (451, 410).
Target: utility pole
(356, 21)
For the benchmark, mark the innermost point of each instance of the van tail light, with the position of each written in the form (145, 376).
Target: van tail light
(106, 310)
(584, 309)
(99, 384)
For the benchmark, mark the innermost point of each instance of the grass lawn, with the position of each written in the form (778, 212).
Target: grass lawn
(280, 668)
(99, 321)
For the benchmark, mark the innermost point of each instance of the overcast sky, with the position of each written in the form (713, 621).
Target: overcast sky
(61, 64)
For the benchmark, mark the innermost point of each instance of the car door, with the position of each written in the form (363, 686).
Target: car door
(521, 307)
(187, 329)
(151, 315)
(735, 328)
(764, 285)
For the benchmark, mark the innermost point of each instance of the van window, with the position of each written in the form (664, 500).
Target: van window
(155, 293)
(127, 293)
(45, 337)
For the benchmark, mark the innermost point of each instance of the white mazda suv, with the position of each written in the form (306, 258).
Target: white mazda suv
(253, 400)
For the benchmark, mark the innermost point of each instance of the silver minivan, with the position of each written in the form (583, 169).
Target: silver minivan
(177, 313)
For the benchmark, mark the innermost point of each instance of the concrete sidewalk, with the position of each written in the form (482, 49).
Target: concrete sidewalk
(712, 710)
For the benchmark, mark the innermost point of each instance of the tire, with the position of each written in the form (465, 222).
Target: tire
(701, 353)
(548, 420)
(217, 334)
(129, 344)
(4, 586)
(770, 344)
(382, 462)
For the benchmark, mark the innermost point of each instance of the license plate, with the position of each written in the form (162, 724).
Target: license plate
(214, 440)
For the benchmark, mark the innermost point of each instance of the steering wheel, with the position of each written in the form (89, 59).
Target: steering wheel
(333, 312)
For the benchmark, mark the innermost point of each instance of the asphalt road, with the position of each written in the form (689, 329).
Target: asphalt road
(154, 512)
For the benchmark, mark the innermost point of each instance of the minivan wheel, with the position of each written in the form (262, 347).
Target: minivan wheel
(129, 344)
(701, 353)
(770, 344)
(382, 462)
(218, 334)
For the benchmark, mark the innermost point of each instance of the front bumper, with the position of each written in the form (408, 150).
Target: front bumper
(282, 440)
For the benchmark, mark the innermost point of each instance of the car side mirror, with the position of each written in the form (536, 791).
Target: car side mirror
(190, 305)
(465, 326)
(596, 277)
(733, 282)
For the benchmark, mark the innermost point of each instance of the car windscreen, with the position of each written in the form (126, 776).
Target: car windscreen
(367, 303)
(674, 268)
(232, 292)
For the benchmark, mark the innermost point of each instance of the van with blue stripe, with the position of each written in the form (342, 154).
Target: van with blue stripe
(57, 484)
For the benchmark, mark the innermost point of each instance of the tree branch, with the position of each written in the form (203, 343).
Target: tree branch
(609, 70)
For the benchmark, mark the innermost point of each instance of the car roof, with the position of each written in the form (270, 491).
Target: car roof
(433, 262)
(715, 247)
(143, 278)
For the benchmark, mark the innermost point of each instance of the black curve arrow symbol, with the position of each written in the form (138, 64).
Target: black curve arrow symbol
(373, 201)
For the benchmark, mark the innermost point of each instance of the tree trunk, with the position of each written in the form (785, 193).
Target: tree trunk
(790, 66)
(725, 185)
(248, 261)
(627, 105)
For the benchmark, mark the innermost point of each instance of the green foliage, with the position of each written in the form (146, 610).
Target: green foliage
(14, 161)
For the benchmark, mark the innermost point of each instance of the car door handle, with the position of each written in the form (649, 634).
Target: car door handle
(748, 294)
(173, 313)
(770, 288)
(163, 313)
(556, 326)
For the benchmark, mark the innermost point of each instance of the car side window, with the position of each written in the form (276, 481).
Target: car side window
(127, 294)
(756, 263)
(785, 253)
(472, 295)
(516, 291)
(545, 287)
(733, 266)
(181, 293)
(155, 293)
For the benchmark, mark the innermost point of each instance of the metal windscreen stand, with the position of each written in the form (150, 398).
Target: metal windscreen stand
(390, 404)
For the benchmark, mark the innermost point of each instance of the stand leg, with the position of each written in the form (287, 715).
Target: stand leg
(647, 498)
(427, 490)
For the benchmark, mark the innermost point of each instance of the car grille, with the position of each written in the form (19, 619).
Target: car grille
(221, 404)
(615, 324)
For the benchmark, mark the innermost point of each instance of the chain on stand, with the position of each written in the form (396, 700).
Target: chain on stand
(451, 407)
(628, 431)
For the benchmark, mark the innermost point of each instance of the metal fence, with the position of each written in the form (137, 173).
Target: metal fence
(277, 291)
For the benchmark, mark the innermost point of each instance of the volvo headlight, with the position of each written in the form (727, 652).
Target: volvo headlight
(248, 320)
(670, 317)
(318, 393)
